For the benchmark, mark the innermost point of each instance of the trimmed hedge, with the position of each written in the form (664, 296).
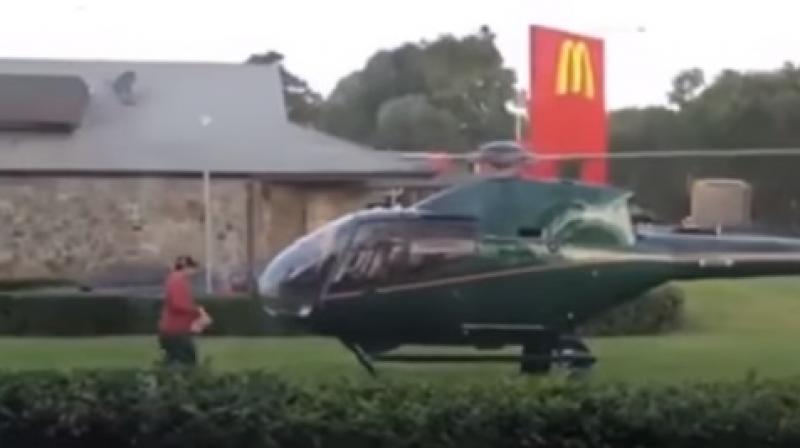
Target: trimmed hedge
(48, 314)
(660, 310)
(21, 284)
(96, 315)
(154, 410)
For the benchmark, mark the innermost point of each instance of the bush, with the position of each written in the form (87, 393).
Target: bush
(89, 314)
(660, 310)
(11, 285)
(158, 409)
(96, 315)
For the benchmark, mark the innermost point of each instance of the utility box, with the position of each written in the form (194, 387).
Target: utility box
(720, 203)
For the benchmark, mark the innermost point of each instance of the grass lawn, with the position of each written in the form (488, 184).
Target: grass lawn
(733, 328)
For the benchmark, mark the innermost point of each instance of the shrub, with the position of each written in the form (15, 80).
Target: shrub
(659, 310)
(89, 314)
(11, 285)
(95, 315)
(158, 409)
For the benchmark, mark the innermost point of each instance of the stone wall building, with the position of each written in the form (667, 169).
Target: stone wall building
(104, 163)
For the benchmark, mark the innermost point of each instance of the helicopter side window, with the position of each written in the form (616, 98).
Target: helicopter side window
(436, 245)
(376, 256)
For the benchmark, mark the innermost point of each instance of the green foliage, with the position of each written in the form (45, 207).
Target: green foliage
(448, 94)
(200, 409)
(410, 122)
(96, 315)
(659, 311)
(759, 109)
(20, 284)
(43, 314)
(685, 86)
(302, 102)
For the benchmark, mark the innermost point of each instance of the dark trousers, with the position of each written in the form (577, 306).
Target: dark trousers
(178, 349)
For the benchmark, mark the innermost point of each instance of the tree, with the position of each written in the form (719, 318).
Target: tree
(685, 86)
(756, 109)
(302, 102)
(460, 83)
(411, 122)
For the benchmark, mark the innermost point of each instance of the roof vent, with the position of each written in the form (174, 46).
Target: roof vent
(54, 103)
(123, 87)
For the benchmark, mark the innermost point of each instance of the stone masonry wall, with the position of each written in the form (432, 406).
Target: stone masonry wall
(323, 205)
(70, 226)
(318, 205)
(73, 226)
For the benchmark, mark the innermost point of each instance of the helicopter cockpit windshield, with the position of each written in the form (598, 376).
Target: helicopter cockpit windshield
(294, 277)
(582, 223)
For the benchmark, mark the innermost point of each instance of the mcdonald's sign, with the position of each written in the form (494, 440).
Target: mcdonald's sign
(574, 74)
(566, 107)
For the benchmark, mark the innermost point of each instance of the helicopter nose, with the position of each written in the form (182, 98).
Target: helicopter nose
(290, 293)
(278, 307)
(293, 281)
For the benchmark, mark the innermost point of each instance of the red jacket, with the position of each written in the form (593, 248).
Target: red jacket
(179, 309)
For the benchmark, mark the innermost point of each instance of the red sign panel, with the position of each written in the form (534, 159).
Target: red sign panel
(567, 104)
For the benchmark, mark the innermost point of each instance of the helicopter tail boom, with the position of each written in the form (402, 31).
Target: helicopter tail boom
(737, 265)
(700, 256)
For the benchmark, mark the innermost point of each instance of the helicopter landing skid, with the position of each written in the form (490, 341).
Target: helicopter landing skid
(530, 363)
(362, 357)
(535, 359)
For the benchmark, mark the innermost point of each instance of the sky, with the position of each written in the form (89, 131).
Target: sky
(646, 42)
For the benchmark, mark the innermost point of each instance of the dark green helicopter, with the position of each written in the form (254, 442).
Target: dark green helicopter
(493, 262)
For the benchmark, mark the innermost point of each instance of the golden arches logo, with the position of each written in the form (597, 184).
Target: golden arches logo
(575, 72)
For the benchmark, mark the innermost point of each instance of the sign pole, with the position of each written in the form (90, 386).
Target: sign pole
(250, 236)
(209, 237)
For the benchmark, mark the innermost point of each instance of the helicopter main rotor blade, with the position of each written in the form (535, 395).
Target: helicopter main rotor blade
(703, 153)
(684, 153)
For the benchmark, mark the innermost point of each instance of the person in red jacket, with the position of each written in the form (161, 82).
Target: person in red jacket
(180, 316)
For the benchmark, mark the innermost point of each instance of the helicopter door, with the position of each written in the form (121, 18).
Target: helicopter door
(353, 298)
(442, 253)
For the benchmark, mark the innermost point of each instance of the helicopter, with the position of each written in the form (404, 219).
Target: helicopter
(497, 261)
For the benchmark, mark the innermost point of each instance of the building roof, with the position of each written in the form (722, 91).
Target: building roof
(172, 118)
